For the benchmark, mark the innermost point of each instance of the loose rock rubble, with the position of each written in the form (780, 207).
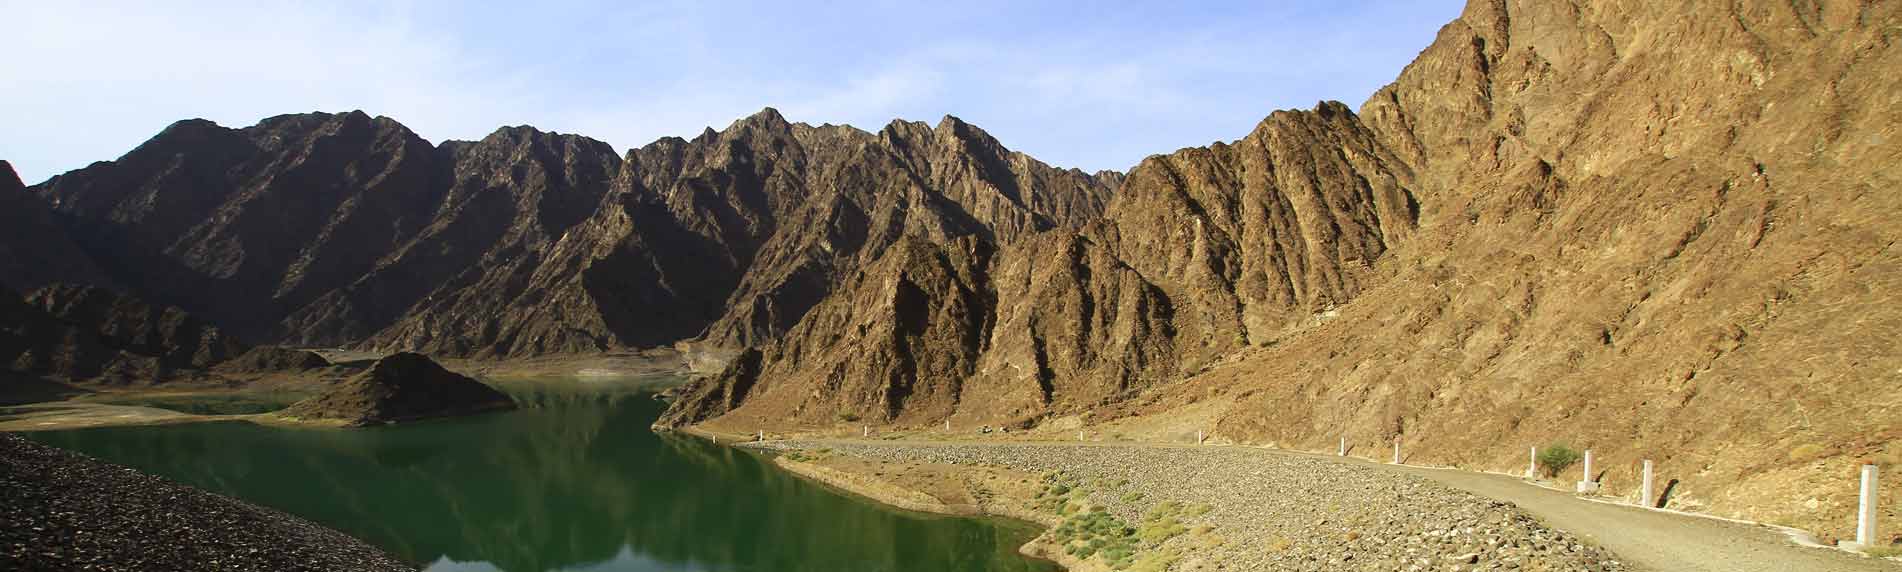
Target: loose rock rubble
(63, 511)
(1275, 512)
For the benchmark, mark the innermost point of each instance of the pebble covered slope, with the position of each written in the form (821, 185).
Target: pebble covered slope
(64, 511)
(1278, 512)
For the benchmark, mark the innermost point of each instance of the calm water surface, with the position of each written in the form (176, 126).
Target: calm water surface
(573, 481)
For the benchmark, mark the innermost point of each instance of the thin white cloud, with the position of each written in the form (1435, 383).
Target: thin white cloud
(97, 79)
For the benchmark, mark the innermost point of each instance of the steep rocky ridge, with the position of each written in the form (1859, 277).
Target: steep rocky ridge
(1197, 253)
(894, 345)
(322, 229)
(243, 225)
(514, 194)
(1656, 230)
(733, 236)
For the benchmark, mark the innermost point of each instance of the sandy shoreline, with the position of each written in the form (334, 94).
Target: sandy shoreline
(863, 479)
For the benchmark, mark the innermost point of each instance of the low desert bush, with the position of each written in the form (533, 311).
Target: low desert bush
(1554, 459)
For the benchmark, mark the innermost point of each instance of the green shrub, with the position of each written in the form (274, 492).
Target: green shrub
(848, 416)
(1554, 459)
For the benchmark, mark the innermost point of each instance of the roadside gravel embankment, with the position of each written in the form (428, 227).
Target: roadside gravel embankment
(65, 511)
(1261, 512)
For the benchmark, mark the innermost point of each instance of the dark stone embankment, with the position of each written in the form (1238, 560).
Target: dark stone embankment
(65, 511)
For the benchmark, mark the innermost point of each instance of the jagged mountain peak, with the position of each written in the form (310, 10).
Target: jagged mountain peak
(10, 179)
(517, 136)
(952, 128)
(323, 120)
(766, 119)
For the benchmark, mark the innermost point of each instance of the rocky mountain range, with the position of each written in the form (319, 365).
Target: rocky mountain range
(323, 229)
(1657, 230)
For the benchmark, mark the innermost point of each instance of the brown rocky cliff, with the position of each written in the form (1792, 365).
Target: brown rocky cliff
(1249, 238)
(1656, 234)
(861, 192)
(1075, 327)
(893, 345)
(458, 285)
(1197, 252)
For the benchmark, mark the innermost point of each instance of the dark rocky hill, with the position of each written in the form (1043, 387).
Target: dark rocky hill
(34, 249)
(397, 388)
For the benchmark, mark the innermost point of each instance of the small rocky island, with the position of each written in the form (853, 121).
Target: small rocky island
(398, 388)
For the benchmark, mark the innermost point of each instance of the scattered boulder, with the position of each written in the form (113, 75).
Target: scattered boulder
(401, 387)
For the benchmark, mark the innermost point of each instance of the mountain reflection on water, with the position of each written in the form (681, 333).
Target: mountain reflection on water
(574, 480)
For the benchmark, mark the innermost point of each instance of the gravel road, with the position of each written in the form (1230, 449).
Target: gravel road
(65, 511)
(1282, 512)
(1660, 540)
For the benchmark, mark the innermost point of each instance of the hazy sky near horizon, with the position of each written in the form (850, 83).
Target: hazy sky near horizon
(1095, 85)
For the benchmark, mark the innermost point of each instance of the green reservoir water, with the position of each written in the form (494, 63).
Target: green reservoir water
(573, 481)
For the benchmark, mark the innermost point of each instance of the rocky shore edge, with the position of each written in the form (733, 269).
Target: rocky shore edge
(66, 511)
(871, 486)
(1154, 508)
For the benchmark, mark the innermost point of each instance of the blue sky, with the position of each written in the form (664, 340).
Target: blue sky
(1095, 85)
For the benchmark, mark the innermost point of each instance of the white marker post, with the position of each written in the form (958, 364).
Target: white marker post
(1645, 497)
(762, 435)
(1532, 467)
(1198, 436)
(1343, 452)
(1396, 449)
(1866, 509)
(1585, 482)
(865, 431)
(947, 425)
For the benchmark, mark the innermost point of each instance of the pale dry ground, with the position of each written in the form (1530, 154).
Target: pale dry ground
(80, 415)
(81, 408)
(1642, 539)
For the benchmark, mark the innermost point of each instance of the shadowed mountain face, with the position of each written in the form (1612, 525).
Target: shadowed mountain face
(329, 229)
(90, 333)
(34, 250)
